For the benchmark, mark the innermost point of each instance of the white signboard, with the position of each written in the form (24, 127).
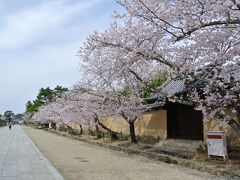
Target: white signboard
(217, 145)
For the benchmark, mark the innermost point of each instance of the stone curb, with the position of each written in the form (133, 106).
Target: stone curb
(157, 156)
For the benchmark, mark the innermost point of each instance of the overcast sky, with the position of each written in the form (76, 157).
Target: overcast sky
(38, 44)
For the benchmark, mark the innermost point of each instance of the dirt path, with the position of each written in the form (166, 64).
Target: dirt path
(76, 160)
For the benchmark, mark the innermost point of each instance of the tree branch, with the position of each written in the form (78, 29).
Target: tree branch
(204, 25)
(154, 55)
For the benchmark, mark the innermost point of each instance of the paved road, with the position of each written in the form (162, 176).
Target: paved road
(20, 159)
(76, 160)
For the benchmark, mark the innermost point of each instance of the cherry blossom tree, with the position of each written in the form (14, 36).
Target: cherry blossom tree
(121, 86)
(113, 104)
(66, 110)
(130, 108)
(180, 36)
(48, 113)
(88, 108)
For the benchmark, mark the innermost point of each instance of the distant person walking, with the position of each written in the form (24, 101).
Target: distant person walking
(9, 126)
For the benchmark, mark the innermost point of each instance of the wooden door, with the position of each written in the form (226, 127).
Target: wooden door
(184, 122)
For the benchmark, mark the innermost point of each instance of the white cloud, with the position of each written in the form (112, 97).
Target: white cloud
(23, 27)
(38, 44)
(49, 66)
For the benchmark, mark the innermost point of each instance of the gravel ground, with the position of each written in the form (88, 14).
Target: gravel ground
(76, 160)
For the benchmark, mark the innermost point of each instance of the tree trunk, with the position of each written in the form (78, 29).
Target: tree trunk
(113, 134)
(81, 129)
(132, 131)
(70, 130)
(235, 125)
(97, 132)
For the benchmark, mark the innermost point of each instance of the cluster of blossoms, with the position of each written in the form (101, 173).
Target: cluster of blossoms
(154, 36)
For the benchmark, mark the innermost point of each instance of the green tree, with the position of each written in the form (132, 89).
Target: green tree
(157, 82)
(58, 90)
(19, 116)
(1, 116)
(9, 115)
(45, 96)
(32, 107)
